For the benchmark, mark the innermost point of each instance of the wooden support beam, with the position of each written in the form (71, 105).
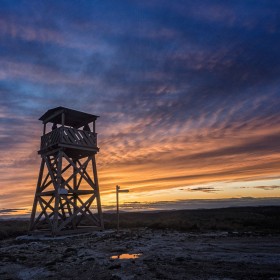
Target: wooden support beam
(34, 207)
(57, 195)
(87, 210)
(78, 210)
(45, 184)
(79, 147)
(63, 163)
(45, 212)
(50, 206)
(51, 172)
(47, 204)
(78, 170)
(99, 208)
(47, 193)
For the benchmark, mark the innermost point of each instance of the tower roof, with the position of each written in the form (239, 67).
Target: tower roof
(72, 117)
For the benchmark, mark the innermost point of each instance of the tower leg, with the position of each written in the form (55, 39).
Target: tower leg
(75, 187)
(57, 194)
(98, 200)
(34, 208)
(65, 196)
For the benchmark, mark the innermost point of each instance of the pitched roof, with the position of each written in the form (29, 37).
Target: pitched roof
(72, 117)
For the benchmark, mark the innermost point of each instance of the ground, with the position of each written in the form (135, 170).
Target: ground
(165, 254)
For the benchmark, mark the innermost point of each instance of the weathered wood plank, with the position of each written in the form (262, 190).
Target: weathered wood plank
(70, 136)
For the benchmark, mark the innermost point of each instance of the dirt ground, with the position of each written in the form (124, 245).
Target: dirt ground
(165, 254)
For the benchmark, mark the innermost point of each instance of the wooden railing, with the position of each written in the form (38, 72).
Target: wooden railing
(69, 136)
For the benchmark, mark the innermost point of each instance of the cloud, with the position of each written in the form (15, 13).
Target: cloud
(10, 210)
(268, 188)
(188, 92)
(197, 204)
(203, 189)
(29, 33)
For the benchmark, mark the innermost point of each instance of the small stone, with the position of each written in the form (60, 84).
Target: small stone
(68, 250)
(91, 258)
(53, 262)
(115, 266)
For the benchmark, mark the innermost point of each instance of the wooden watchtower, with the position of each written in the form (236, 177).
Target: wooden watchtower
(66, 191)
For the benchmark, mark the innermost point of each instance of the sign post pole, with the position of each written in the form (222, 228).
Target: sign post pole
(118, 190)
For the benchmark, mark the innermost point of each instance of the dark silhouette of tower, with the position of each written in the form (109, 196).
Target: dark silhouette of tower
(67, 184)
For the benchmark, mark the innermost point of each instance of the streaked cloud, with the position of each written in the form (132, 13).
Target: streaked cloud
(9, 211)
(267, 188)
(203, 189)
(15, 30)
(188, 93)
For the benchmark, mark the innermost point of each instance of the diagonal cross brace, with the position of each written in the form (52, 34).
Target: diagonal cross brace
(79, 210)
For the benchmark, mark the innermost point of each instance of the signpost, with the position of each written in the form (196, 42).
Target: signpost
(118, 190)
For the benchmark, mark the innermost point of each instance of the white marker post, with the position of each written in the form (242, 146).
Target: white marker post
(118, 190)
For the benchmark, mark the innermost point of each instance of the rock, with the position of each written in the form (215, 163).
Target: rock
(51, 263)
(118, 249)
(116, 277)
(115, 266)
(70, 249)
(90, 258)
(147, 260)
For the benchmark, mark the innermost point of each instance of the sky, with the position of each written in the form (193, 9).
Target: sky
(187, 93)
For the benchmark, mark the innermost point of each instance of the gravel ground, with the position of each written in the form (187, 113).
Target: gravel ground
(164, 254)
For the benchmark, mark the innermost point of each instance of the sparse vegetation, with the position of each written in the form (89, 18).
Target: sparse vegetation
(261, 219)
(13, 228)
(256, 219)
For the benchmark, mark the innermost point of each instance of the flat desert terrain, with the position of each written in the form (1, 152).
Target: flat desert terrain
(146, 253)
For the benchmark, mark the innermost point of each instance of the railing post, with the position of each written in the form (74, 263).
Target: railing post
(63, 119)
(70, 136)
(60, 135)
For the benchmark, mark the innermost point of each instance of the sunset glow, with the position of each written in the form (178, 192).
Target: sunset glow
(188, 94)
